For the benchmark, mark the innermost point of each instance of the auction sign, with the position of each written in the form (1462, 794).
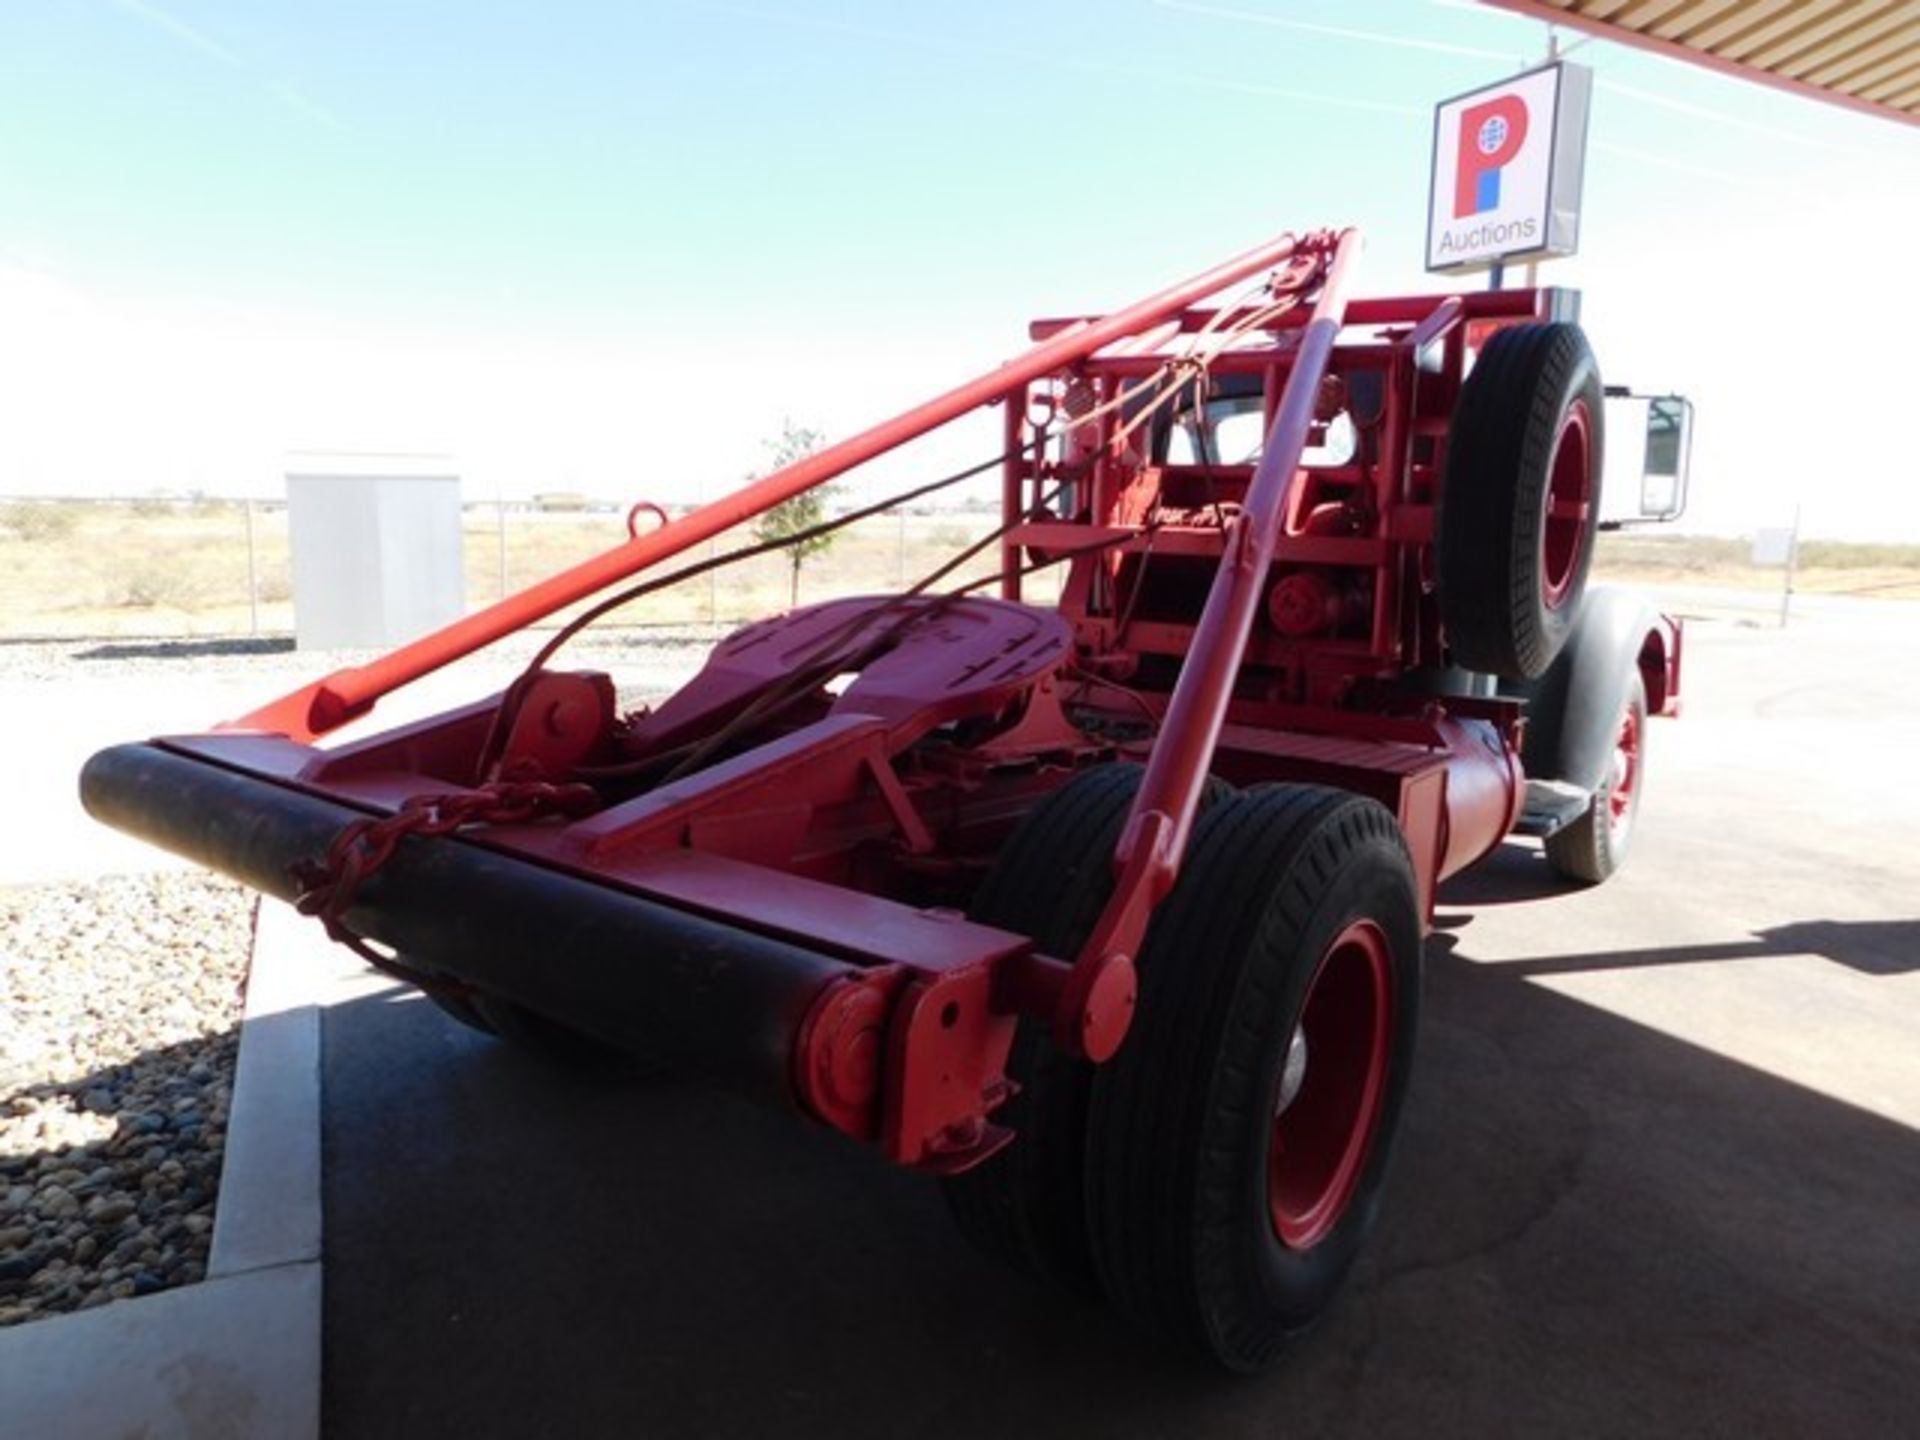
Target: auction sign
(1507, 163)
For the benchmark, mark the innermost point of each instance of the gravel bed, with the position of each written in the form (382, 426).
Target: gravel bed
(120, 999)
(119, 1022)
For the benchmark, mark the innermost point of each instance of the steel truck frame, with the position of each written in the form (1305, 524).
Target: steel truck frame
(1107, 912)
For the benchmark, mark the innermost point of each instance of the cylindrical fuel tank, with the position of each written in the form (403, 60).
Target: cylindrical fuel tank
(1486, 790)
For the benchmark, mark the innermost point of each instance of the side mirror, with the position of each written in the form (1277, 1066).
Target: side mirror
(1649, 447)
(1663, 474)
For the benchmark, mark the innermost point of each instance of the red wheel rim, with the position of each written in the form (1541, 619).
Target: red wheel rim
(1623, 789)
(1569, 505)
(1323, 1131)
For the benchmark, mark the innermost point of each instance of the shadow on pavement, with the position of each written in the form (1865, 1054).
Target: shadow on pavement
(188, 649)
(1515, 872)
(1873, 947)
(1519, 872)
(1592, 1228)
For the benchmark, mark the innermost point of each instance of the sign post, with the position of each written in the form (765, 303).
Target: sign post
(1508, 161)
(1782, 548)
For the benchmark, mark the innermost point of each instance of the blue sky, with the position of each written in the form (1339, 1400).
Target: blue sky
(607, 246)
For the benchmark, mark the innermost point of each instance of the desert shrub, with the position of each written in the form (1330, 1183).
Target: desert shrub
(151, 584)
(35, 520)
(274, 586)
(1850, 555)
(949, 536)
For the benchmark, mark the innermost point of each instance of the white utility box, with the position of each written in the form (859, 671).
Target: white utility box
(376, 548)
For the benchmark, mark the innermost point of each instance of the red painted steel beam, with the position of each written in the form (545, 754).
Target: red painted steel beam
(1098, 1002)
(312, 711)
(1675, 50)
(1177, 771)
(1366, 310)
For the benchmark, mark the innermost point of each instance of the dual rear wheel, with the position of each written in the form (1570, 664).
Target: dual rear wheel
(541, 1037)
(1215, 1179)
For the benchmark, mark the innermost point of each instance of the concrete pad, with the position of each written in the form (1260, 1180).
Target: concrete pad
(230, 1359)
(1657, 1176)
(61, 723)
(1658, 1173)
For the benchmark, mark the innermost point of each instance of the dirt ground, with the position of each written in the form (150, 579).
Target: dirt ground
(1883, 572)
(152, 569)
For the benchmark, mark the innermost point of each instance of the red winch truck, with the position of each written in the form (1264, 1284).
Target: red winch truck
(1107, 913)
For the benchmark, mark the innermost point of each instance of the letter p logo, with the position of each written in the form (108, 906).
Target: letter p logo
(1491, 134)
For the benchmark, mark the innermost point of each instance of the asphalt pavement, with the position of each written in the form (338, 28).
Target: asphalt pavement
(1659, 1173)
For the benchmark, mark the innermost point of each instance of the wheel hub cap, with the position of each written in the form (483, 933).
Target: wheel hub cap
(1331, 1087)
(1623, 790)
(1569, 507)
(1294, 1073)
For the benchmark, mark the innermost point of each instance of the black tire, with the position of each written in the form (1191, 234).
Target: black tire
(1526, 438)
(459, 1005)
(1025, 1206)
(1280, 893)
(1595, 846)
(561, 1045)
(558, 1044)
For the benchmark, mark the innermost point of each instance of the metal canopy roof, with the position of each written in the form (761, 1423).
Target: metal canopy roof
(1860, 53)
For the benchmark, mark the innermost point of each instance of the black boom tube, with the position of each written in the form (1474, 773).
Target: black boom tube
(694, 994)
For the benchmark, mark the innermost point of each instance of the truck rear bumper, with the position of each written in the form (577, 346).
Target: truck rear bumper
(705, 998)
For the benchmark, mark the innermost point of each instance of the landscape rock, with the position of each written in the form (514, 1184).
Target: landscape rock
(122, 1003)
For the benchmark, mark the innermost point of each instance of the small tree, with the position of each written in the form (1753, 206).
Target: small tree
(802, 512)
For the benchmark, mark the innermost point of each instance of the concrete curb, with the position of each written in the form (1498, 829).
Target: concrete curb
(269, 1210)
(238, 1354)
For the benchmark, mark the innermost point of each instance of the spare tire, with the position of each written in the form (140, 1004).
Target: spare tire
(1520, 499)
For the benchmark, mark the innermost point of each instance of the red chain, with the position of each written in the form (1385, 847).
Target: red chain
(328, 886)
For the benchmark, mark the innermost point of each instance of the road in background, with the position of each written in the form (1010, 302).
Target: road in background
(59, 703)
